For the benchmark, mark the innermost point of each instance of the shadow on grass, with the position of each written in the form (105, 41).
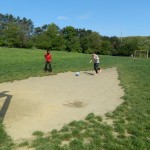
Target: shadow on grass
(5, 105)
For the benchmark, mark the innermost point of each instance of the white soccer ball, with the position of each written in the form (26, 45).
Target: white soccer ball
(77, 73)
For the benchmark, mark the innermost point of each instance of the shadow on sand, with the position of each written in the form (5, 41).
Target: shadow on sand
(89, 73)
(5, 105)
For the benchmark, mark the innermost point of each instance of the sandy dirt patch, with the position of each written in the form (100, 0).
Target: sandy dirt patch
(46, 103)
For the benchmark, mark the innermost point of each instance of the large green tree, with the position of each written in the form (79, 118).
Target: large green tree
(48, 37)
(93, 43)
(11, 35)
(71, 38)
(105, 47)
(15, 32)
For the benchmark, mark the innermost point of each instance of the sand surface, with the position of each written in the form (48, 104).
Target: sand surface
(46, 103)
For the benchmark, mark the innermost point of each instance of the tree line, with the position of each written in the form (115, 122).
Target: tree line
(20, 33)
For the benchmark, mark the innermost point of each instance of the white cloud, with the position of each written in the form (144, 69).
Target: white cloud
(84, 16)
(62, 18)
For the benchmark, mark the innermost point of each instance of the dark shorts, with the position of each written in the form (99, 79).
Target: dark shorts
(96, 66)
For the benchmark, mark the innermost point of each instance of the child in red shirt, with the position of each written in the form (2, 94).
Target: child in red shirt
(48, 59)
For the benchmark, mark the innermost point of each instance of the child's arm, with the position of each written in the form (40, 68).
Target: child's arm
(90, 61)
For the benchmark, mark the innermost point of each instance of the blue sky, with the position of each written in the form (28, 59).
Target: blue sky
(108, 17)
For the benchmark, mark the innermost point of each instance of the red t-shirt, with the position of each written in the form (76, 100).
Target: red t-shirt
(48, 57)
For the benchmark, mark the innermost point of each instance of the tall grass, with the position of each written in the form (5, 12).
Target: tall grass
(131, 120)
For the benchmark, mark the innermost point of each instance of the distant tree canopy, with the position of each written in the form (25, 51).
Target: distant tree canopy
(21, 33)
(15, 32)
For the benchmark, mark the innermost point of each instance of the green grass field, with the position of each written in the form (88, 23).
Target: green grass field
(130, 128)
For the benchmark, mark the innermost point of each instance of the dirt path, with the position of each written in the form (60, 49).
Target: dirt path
(46, 103)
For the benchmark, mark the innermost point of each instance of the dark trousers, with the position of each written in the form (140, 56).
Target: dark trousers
(96, 68)
(48, 66)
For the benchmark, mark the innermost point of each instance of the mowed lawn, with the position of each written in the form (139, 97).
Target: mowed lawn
(17, 64)
(127, 128)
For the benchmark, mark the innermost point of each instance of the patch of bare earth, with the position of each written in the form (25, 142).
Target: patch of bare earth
(46, 103)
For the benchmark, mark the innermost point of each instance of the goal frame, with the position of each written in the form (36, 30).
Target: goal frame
(146, 51)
